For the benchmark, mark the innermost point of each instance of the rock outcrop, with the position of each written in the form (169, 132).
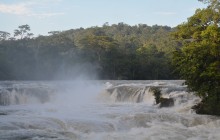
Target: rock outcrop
(163, 102)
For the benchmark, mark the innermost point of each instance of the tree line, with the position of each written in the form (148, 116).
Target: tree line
(117, 51)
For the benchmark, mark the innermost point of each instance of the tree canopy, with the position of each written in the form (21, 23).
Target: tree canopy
(22, 31)
(198, 61)
(117, 51)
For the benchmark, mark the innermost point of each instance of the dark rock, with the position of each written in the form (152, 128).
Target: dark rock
(166, 102)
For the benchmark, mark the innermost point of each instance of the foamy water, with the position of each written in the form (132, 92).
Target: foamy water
(100, 110)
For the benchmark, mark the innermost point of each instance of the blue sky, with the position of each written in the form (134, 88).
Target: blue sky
(52, 15)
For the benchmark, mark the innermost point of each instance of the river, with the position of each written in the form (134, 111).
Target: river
(100, 110)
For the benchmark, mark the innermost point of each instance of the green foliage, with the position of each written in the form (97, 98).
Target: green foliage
(4, 69)
(22, 32)
(157, 94)
(163, 102)
(198, 61)
(210, 105)
(117, 51)
(4, 35)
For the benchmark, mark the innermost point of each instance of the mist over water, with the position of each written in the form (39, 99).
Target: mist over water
(97, 110)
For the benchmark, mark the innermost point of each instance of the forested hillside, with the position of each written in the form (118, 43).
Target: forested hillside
(117, 51)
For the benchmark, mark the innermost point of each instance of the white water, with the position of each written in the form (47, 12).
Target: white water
(100, 110)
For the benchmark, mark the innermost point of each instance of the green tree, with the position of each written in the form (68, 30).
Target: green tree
(198, 61)
(54, 32)
(97, 44)
(117, 51)
(22, 32)
(4, 35)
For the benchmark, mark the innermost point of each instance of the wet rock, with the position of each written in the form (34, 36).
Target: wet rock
(163, 102)
(166, 102)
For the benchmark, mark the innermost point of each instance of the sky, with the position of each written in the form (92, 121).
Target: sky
(58, 15)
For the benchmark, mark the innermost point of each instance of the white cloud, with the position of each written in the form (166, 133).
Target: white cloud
(29, 9)
(166, 13)
(45, 15)
(17, 9)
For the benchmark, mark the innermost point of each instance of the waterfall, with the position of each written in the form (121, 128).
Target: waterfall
(24, 95)
(141, 93)
(123, 110)
(128, 93)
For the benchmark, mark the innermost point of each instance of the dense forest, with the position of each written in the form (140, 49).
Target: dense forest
(117, 51)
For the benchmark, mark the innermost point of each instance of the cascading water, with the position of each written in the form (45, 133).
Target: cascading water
(12, 96)
(101, 110)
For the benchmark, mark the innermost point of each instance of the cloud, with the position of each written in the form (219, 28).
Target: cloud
(17, 9)
(29, 9)
(165, 13)
(45, 15)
